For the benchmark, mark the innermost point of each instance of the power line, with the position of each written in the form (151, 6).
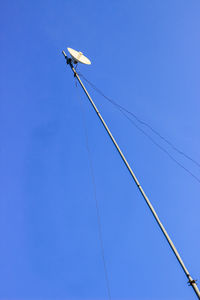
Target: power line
(124, 111)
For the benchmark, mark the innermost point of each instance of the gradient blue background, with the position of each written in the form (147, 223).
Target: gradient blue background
(145, 55)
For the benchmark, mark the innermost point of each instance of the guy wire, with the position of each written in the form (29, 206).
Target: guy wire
(140, 121)
(124, 111)
(96, 201)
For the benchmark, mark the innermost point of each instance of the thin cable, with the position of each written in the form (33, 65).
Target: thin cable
(96, 201)
(124, 111)
(161, 148)
(142, 122)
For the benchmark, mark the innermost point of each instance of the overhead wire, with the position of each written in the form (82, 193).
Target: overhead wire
(96, 201)
(141, 122)
(125, 111)
(161, 148)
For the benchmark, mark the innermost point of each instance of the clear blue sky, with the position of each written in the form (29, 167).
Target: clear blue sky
(145, 55)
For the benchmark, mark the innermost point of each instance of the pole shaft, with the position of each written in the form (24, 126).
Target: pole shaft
(190, 280)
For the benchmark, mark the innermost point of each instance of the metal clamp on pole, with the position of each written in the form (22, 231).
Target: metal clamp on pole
(68, 60)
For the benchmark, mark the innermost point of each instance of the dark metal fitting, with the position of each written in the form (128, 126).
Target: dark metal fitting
(69, 61)
(191, 282)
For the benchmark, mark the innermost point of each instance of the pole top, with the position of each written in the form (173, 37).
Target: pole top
(78, 56)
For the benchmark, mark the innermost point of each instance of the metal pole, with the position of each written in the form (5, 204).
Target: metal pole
(191, 281)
